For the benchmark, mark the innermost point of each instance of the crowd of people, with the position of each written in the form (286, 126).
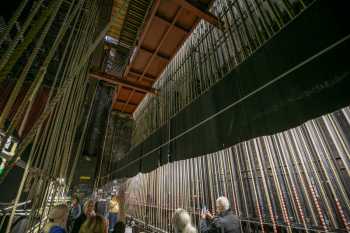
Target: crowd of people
(93, 217)
(85, 220)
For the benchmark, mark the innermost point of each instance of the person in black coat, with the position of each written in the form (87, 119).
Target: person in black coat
(89, 211)
(119, 227)
(224, 222)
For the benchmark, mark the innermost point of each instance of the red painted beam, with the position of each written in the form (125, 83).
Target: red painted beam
(122, 82)
(207, 16)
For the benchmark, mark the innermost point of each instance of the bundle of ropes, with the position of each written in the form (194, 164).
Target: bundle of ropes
(60, 36)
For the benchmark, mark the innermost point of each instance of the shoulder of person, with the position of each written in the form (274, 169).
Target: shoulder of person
(57, 229)
(190, 229)
(234, 217)
(217, 219)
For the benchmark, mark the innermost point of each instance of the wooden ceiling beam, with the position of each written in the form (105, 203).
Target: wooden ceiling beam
(140, 41)
(150, 78)
(205, 15)
(119, 101)
(184, 30)
(122, 82)
(155, 52)
(144, 31)
(165, 58)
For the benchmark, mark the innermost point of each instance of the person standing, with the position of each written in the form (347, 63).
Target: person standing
(182, 222)
(113, 212)
(57, 220)
(94, 224)
(88, 212)
(74, 212)
(224, 222)
(101, 207)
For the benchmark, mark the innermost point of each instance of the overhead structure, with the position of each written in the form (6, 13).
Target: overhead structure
(231, 98)
(114, 80)
(168, 25)
(225, 87)
(128, 17)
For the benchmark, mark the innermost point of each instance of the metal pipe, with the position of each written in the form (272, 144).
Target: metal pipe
(253, 177)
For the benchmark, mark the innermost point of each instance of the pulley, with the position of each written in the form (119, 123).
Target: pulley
(8, 147)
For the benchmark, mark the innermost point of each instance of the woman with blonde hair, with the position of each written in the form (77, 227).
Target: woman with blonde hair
(57, 219)
(95, 224)
(113, 212)
(88, 212)
(182, 222)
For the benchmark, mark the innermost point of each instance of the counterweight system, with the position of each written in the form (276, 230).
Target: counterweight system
(293, 181)
(140, 107)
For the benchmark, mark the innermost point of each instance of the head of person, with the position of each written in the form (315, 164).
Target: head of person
(119, 227)
(89, 208)
(114, 197)
(75, 200)
(95, 224)
(222, 204)
(182, 221)
(58, 216)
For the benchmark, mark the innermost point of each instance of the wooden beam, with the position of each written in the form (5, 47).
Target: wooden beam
(164, 36)
(148, 77)
(118, 101)
(166, 59)
(144, 31)
(122, 82)
(207, 16)
(161, 18)
(154, 9)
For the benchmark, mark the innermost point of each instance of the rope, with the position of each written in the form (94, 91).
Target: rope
(22, 106)
(32, 92)
(103, 149)
(52, 154)
(57, 98)
(19, 35)
(53, 10)
(28, 39)
(82, 138)
(13, 21)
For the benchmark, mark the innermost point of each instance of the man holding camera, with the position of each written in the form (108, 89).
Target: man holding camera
(224, 222)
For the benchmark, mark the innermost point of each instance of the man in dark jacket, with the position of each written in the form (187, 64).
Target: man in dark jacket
(224, 222)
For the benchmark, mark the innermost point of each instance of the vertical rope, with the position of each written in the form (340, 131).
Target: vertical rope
(13, 21)
(11, 49)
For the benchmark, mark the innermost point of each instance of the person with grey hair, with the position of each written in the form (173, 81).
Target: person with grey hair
(182, 222)
(224, 222)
